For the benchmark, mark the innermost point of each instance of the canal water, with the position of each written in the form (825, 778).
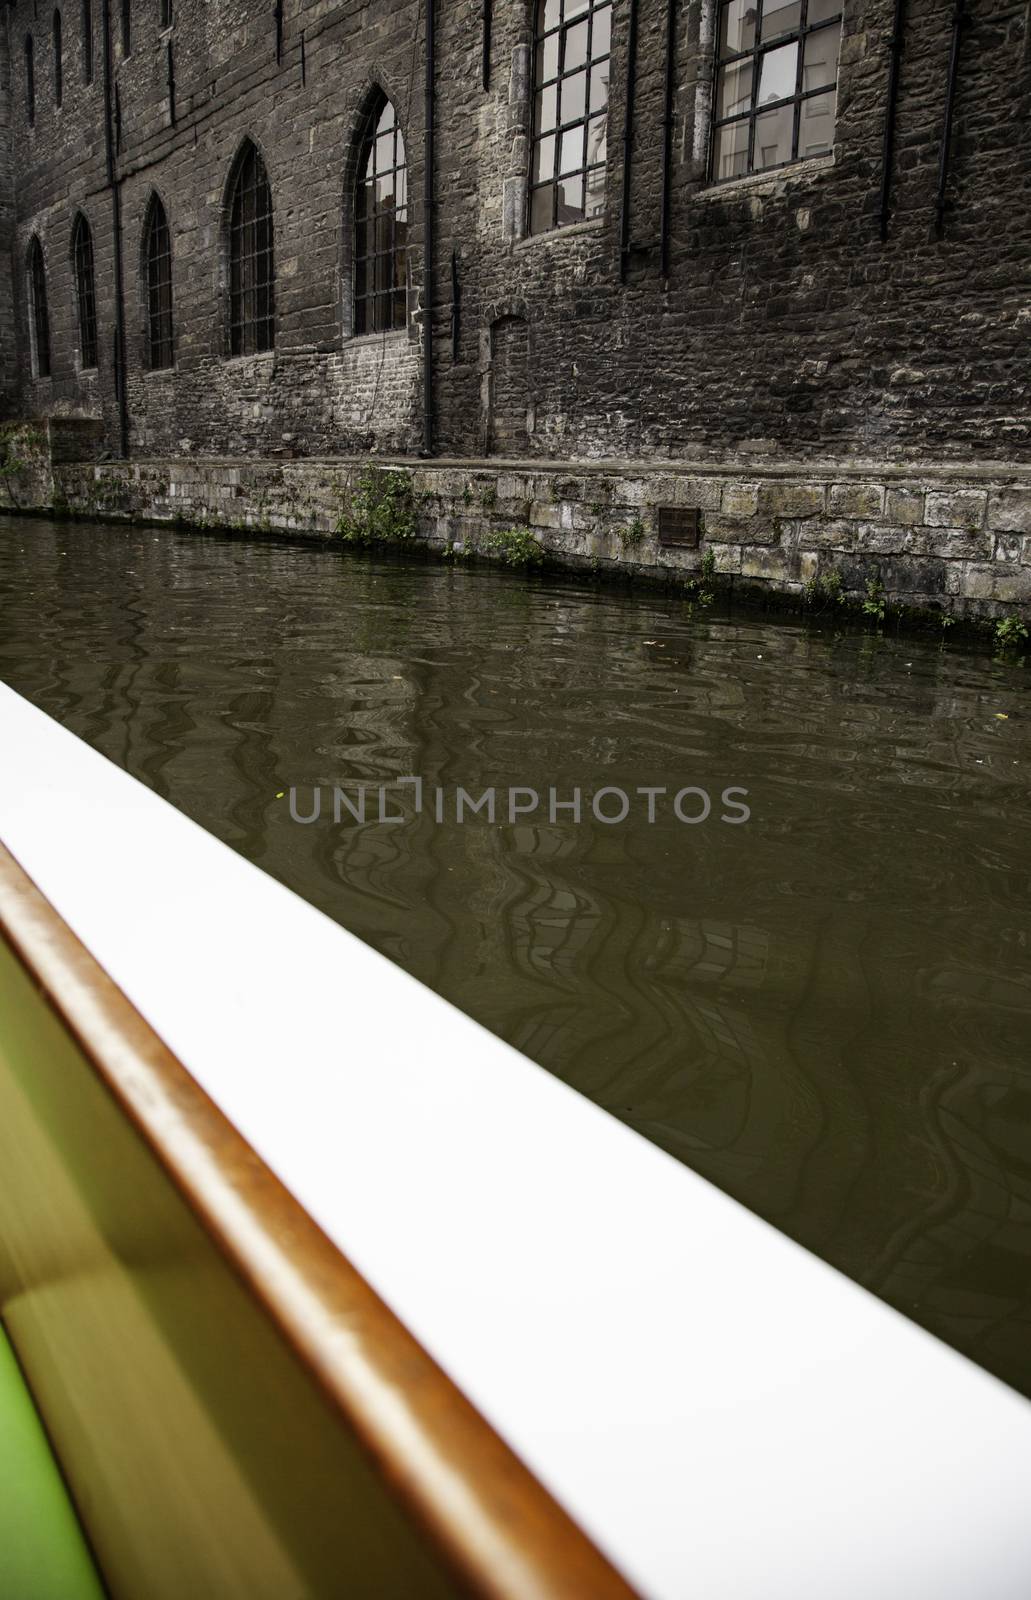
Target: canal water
(825, 1008)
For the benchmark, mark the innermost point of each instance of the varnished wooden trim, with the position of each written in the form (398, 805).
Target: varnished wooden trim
(497, 1527)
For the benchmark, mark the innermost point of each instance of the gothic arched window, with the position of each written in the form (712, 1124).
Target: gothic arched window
(570, 109)
(381, 225)
(157, 257)
(39, 312)
(252, 279)
(85, 291)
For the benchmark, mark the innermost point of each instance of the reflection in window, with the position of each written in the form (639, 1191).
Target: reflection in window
(85, 292)
(570, 105)
(157, 254)
(776, 83)
(381, 226)
(252, 306)
(38, 309)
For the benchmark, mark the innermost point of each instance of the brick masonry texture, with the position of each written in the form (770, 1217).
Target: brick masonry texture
(855, 400)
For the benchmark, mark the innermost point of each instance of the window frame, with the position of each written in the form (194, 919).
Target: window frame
(538, 86)
(158, 296)
(84, 272)
(364, 228)
(250, 331)
(756, 53)
(39, 310)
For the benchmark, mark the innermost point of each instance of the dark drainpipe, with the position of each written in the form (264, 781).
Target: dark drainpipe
(889, 118)
(427, 233)
(667, 137)
(628, 137)
(114, 185)
(488, 19)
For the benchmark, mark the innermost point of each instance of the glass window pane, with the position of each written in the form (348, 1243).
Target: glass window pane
(820, 64)
(574, 97)
(731, 158)
(816, 125)
(600, 87)
(574, 53)
(574, 8)
(778, 74)
(541, 208)
(547, 59)
(734, 91)
(571, 199)
(822, 11)
(596, 141)
(595, 203)
(773, 135)
(571, 154)
(737, 27)
(781, 16)
(601, 36)
(546, 109)
(550, 15)
(544, 160)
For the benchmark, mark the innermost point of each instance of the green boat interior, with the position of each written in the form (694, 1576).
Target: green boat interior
(43, 1553)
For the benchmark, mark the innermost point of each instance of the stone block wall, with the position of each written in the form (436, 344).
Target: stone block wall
(957, 542)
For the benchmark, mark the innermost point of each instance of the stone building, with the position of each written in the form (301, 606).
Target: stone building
(776, 255)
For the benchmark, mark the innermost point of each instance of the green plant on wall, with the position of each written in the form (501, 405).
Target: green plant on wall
(1010, 633)
(875, 605)
(631, 536)
(13, 438)
(826, 587)
(382, 509)
(516, 547)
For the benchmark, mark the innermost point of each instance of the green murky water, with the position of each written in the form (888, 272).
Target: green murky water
(826, 1010)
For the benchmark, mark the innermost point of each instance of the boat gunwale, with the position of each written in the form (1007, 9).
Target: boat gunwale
(495, 1525)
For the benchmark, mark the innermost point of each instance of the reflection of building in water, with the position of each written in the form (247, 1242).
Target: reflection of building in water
(827, 1013)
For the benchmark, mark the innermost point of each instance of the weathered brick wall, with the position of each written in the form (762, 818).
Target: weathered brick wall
(786, 328)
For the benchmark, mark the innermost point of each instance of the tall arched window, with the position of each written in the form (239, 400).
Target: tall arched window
(30, 80)
(381, 225)
(252, 284)
(58, 61)
(157, 258)
(87, 41)
(85, 291)
(38, 309)
(570, 107)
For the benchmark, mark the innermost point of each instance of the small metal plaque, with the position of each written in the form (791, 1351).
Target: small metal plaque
(678, 528)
